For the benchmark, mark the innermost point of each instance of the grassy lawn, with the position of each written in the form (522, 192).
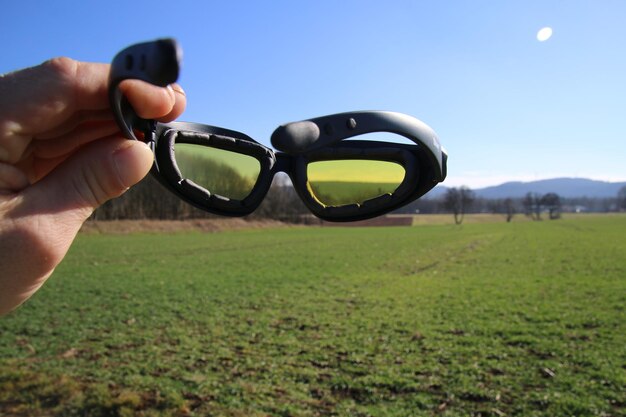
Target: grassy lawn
(489, 319)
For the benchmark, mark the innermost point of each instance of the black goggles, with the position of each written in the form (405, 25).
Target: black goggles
(228, 173)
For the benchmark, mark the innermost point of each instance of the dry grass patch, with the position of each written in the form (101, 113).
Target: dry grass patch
(176, 226)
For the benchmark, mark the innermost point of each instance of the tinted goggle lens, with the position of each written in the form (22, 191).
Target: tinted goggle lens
(229, 174)
(352, 181)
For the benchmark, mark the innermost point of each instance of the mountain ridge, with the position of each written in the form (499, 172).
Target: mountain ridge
(566, 187)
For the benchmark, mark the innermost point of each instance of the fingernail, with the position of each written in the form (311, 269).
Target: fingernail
(178, 89)
(171, 91)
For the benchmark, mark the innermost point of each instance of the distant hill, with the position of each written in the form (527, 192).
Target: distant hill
(564, 187)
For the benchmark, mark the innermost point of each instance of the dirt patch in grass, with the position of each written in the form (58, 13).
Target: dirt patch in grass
(174, 226)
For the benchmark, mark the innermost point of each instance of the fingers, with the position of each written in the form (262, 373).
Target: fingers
(52, 99)
(12, 179)
(72, 140)
(180, 103)
(85, 127)
(43, 98)
(13, 145)
(94, 174)
(78, 118)
(152, 102)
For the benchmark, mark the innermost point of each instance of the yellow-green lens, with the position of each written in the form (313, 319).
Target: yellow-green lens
(222, 172)
(350, 181)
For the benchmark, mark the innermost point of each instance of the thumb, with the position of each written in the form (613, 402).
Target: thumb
(46, 216)
(96, 173)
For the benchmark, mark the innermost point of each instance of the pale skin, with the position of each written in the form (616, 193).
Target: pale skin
(61, 157)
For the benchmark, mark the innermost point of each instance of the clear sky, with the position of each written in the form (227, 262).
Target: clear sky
(506, 106)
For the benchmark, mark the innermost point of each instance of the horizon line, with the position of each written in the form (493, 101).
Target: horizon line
(478, 182)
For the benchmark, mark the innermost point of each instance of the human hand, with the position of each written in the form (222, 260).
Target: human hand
(61, 156)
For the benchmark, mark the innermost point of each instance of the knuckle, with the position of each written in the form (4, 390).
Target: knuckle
(61, 66)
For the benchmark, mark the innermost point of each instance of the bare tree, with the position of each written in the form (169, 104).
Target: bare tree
(621, 198)
(506, 207)
(458, 200)
(509, 209)
(532, 206)
(552, 202)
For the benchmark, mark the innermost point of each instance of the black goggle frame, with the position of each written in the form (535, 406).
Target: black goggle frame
(301, 143)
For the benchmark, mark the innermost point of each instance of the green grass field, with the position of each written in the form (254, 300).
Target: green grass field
(494, 319)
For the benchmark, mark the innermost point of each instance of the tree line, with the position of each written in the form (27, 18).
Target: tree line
(462, 200)
(150, 200)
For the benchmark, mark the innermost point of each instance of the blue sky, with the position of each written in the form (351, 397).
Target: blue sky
(506, 106)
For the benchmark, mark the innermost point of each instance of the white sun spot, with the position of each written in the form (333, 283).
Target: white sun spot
(544, 34)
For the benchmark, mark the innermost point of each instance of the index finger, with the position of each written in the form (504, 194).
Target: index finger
(153, 102)
(48, 98)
